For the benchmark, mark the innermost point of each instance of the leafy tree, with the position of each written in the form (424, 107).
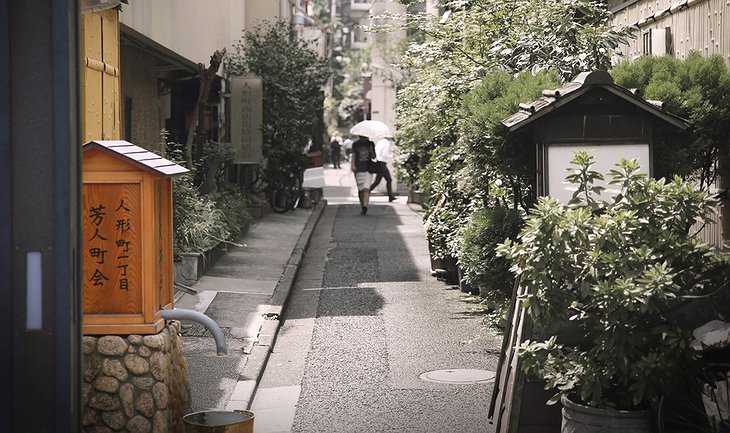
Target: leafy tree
(483, 36)
(346, 103)
(293, 76)
(493, 154)
(698, 89)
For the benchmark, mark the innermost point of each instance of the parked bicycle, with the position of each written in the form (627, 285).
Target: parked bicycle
(286, 194)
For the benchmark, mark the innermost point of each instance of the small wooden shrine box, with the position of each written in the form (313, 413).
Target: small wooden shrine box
(127, 238)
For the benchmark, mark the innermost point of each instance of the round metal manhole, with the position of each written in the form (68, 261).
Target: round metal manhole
(460, 376)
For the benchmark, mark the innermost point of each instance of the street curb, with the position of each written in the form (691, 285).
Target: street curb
(256, 361)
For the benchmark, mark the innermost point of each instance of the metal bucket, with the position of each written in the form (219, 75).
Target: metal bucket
(240, 421)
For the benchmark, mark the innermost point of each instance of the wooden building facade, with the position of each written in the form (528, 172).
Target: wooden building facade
(675, 27)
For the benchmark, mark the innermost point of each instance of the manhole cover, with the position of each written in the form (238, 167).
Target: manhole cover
(460, 376)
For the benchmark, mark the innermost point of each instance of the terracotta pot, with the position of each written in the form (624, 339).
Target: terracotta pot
(583, 419)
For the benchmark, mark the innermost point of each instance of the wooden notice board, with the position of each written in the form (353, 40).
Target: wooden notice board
(127, 229)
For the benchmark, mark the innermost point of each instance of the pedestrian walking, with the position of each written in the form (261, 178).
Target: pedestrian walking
(363, 153)
(335, 149)
(384, 155)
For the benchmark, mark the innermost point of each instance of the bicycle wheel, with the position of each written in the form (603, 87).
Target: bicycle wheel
(296, 193)
(703, 407)
(281, 200)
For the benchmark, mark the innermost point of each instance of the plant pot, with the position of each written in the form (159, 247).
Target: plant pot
(463, 285)
(583, 419)
(437, 264)
(452, 274)
(189, 268)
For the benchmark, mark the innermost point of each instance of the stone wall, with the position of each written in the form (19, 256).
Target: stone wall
(135, 383)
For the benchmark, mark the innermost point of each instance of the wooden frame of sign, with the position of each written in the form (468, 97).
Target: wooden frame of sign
(127, 238)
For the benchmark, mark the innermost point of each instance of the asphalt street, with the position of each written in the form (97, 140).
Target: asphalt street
(364, 321)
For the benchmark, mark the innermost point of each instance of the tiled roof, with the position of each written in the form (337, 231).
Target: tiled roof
(552, 99)
(138, 156)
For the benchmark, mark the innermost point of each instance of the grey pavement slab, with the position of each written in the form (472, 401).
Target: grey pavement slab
(237, 293)
(243, 285)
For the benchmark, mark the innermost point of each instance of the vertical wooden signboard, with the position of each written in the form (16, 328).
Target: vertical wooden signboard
(127, 226)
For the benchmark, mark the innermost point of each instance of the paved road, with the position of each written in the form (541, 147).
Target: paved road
(365, 320)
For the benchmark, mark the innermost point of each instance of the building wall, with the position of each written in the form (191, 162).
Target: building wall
(194, 29)
(703, 26)
(384, 55)
(141, 118)
(265, 10)
(191, 28)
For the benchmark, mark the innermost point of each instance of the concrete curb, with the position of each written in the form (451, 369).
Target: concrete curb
(251, 374)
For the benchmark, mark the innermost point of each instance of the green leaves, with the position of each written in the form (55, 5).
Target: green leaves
(293, 76)
(487, 51)
(697, 89)
(612, 277)
(584, 177)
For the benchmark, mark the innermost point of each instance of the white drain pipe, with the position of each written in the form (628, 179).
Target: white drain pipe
(195, 316)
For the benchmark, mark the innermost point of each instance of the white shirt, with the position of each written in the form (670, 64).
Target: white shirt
(384, 150)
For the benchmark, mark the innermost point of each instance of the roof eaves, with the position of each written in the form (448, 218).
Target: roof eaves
(138, 156)
(553, 99)
(543, 105)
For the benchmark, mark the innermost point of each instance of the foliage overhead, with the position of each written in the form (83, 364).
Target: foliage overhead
(478, 37)
(293, 76)
(612, 278)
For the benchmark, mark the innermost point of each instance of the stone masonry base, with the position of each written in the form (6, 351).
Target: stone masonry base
(135, 383)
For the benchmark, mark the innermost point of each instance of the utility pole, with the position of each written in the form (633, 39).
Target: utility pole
(40, 183)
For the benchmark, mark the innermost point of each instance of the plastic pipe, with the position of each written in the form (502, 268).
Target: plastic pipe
(195, 316)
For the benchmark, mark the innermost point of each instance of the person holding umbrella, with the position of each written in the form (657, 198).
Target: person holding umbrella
(363, 153)
(384, 155)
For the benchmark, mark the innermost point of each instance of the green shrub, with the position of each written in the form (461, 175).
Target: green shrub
(477, 252)
(613, 274)
(444, 222)
(236, 211)
(697, 89)
(198, 225)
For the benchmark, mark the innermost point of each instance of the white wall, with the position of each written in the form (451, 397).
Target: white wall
(607, 156)
(383, 92)
(194, 28)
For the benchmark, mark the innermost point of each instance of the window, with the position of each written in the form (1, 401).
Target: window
(657, 42)
(647, 43)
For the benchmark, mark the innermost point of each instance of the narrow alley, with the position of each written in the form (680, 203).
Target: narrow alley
(364, 322)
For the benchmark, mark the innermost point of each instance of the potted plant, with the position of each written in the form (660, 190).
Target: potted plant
(611, 273)
(442, 224)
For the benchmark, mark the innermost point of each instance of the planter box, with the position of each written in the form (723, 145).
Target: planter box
(418, 197)
(260, 210)
(192, 266)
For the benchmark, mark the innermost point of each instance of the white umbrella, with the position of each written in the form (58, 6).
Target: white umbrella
(372, 129)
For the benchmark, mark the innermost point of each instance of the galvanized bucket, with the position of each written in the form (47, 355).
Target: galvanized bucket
(240, 421)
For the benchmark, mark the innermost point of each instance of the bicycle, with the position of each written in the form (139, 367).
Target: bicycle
(289, 191)
(703, 405)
